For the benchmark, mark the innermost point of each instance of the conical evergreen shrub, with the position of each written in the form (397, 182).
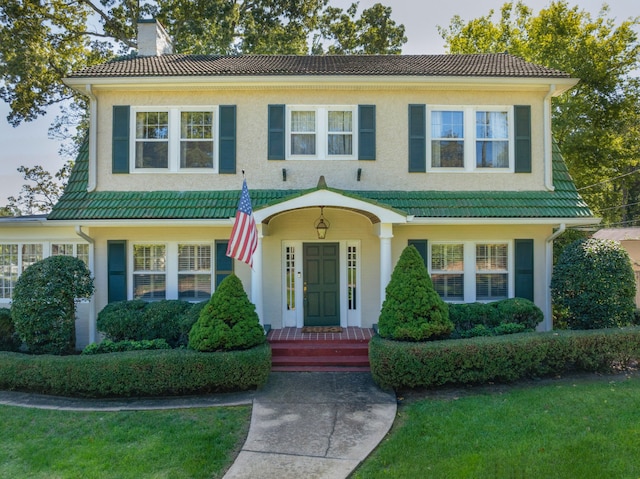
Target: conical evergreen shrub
(412, 310)
(228, 321)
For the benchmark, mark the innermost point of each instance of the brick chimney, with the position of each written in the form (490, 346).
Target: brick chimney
(153, 39)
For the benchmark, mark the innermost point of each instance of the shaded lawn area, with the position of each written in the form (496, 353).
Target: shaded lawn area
(569, 428)
(179, 443)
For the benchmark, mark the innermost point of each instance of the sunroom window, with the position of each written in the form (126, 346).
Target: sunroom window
(194, 272)
(447, 270)
(149, 275)
(492, 275)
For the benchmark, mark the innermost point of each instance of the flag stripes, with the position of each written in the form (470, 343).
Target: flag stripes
(244, 235)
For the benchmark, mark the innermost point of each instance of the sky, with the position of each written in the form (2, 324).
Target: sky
(29, 145)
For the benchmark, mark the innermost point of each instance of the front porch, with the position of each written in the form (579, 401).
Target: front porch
(346, 351)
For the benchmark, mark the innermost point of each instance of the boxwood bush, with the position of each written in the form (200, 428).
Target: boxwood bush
(9, 340)
(397, 364)
(507, 316)
(137, 320)
(136, 373)
(108, 346)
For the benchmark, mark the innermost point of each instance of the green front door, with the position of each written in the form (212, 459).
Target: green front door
(321, 284)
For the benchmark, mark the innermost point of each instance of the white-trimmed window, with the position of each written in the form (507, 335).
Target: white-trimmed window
(321, 132)
(174, 139)
(149, 271)
(352, 277)
(9, 269)
(78, 250)
(14, 259)
(492, 139)
(492, 271)
(194, 272)
(471, 270)
(447, 139)
(470, 138)
(447, 270)
(290, 277)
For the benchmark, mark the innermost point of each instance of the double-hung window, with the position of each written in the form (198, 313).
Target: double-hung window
(447, 139)
(470, 139)
(447, 270)
(14, 259)
(174, 139)
(78, 250)
(471, 271)
(321, 132)
(194, 272)
(492, 139)
(149, 273)
(492, 271)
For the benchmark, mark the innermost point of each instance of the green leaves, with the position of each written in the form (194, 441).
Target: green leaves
(594, 283)
(412, 310)
(596, 123)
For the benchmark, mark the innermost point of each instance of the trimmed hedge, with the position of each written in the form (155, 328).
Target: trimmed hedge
(9, 340)
(396, 364)
(507, 316)
(136, 373)
(108, 346)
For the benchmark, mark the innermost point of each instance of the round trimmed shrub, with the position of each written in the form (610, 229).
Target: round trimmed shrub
(228, 321)
(594, 286)
(44, 303)
(163, 320)
(412, 310)
(9, 340)
(122, 320)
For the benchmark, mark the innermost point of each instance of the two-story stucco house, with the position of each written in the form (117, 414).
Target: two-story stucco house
(451, 153)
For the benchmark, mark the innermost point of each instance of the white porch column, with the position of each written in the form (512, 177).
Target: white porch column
(385, 233)
(256, 276)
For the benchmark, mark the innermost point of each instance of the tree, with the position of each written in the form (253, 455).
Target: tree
(44, 303)
(596, 124)
(42, 42)
(412, 310)
(594, 285)
(228, 321)
(41, 196)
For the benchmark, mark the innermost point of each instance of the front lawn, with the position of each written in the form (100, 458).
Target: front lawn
(562, 429)
(180, 443)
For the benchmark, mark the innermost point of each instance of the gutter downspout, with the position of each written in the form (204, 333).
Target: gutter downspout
(93, 139)
(92, 300)
(547, 325)
(547, 140)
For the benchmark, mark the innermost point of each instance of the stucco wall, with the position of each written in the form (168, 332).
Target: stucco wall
(388, 171)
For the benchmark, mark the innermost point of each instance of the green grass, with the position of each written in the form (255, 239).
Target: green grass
(180, 443)
(566, 429)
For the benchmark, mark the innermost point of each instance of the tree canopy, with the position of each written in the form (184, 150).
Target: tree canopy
(597, 123)
(42, 42)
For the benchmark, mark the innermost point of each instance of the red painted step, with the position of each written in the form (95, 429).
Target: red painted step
(320, 355)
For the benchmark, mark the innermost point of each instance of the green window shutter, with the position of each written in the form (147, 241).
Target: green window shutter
(417, 138)
(366, 132)
(522, 126)
(120, 139)
(224, 264)
(276, 132)
(421, 246)
(524, 268)
(116, 271)
(227, 139)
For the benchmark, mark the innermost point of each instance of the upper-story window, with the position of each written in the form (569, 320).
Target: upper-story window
(470, 139)
(321, 132)
(174, 139)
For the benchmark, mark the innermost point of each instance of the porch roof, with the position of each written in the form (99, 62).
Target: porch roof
(78, 204)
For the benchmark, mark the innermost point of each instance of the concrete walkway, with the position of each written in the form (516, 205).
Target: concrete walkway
(303, 425)
(313, 425)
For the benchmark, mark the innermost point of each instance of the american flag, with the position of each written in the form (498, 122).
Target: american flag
(244, 235)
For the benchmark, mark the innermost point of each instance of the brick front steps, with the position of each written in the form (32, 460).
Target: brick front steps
(293, 351)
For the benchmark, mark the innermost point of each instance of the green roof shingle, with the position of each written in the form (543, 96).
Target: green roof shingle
(78, 204)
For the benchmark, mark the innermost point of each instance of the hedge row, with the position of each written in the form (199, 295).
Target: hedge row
(136, 373)
(397, 365)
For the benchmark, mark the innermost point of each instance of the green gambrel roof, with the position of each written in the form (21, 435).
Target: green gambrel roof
(78, 204)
